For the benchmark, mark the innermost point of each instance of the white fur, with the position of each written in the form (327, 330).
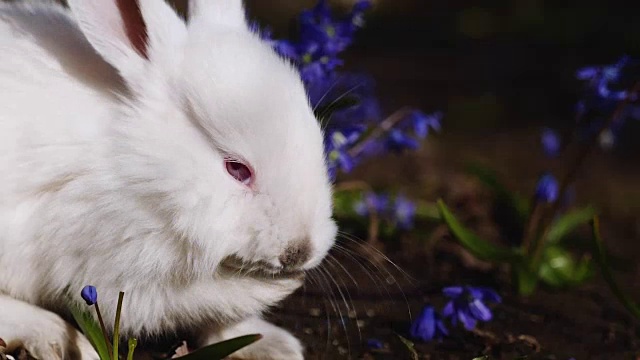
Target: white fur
(111, 165)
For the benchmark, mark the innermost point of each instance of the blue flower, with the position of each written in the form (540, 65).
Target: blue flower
(547, 189)
(379, 203)
(316, 53)
(335, 35)
(467, 304)
(550, 142)
(423, 122)
(89, 294)
(428, 326)
(404, 212)
(322, 38)
(374, 344)
(605, 88)
(337, 148)
(397, 141)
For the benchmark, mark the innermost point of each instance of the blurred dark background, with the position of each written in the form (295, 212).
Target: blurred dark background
(488, 64)
(500, 70)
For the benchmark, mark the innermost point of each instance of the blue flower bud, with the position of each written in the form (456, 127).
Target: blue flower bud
(428, 325)
(547, 189)
(89, 294)
(550, 142)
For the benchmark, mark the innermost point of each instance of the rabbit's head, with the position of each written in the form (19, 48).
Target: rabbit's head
(216, 135)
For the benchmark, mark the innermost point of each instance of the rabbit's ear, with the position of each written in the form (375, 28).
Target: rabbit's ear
(218, 12)
(127, 33)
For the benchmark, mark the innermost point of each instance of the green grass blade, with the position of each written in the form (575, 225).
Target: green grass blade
(222, 349)
(489, 178)
(606, 270)
(472, 242)
(92, 331)
(568, 222)
(410, 347)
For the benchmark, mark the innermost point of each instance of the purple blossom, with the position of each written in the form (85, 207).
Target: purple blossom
(550, 142)
(379, 203)
(337, 148)
(89, 294)
(346, 103)
(467, 305)
(428, 325)
(322, 38)
(547, 189)
(374, 344)
(400, 211)
(398, 141)
(606, 86)
(404, 212)
(423, 122)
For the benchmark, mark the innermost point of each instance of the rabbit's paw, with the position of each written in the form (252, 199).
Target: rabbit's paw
(276, 343)
(45, 335)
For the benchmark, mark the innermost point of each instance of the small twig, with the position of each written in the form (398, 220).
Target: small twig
(386, 125)
(352, 185)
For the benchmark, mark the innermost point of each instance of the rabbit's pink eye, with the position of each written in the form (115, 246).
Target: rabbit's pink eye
(239, 171)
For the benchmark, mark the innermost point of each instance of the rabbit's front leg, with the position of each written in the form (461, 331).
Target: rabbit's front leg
(276, 343)
(44, 334)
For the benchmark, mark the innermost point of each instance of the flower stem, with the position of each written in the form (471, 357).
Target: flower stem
(133, 342)
(374, 221)
(116, 327)
(575, 166)
(530, 228)
(104, 329)
(385, 126)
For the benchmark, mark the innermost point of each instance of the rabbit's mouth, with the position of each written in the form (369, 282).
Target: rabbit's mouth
(235, 266)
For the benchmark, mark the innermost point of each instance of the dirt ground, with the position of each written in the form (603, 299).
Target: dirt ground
(377, 301)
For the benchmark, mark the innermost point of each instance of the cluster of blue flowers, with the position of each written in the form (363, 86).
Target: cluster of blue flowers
(316, 51)
(607, 87)
(400, 211)
(467, 306)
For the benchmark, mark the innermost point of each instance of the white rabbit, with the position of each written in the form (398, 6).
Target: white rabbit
(179, 162)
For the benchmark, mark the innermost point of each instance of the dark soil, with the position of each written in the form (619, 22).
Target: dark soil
(336, 317)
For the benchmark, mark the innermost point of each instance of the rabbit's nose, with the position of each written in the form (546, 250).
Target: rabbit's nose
(296, 255)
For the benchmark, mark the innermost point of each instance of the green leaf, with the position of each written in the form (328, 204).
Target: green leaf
(526, 280)
(559, 268)
(410, 346)
(344, 202)
(517, 204)
(219, 351)
(92, 331)
(568, 222)
(602, 259)
(472, 242)
(344, 102)
(427, 210)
